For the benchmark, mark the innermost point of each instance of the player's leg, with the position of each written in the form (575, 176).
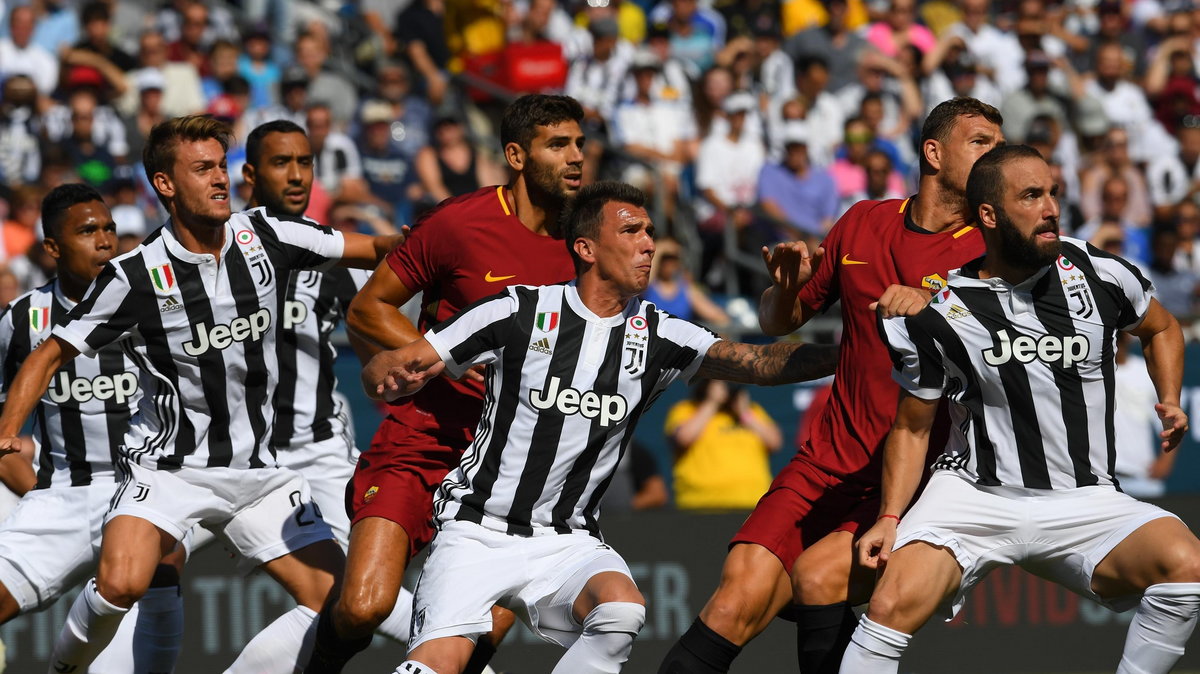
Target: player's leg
(919, 577)
(1161, 561)
(131, 551)
(151, 634)
(612, 611)
(446, 655)
(826, 583)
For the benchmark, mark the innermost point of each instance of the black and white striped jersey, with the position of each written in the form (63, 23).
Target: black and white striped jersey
(564, 391)
(308, 408)
(1029, 369)
(80, 423)
(202, 332)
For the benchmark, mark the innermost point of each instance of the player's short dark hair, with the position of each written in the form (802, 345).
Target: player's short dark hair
(158, 156)
(583, 216)
(522, 118)
(260, 132)
(61, 198)
(986, 184)
(942, 118)
(94, 11)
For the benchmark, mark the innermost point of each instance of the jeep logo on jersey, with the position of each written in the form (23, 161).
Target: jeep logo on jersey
(609, 408)
(294, 314)
(162, 276)
(119, 387)
(39, 318)
(1047, 348)
(221, 337)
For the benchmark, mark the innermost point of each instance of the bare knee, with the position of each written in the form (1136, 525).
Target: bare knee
(1182, 565)
(360, 614)
(120, 587)
(819, 584)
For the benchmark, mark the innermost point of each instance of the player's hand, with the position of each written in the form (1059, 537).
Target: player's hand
(10, 445)
(900, 300)
(1174, 423)
(790, 265)
(475, 373)
(405, 380)
(875, 546)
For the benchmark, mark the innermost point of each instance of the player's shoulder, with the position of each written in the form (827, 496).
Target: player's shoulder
(38, 297)
(465, 210)
(259, 218)
(871, 216)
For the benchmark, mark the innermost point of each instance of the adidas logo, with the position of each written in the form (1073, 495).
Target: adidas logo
(170, 304)
(541, 346)
(956, 312)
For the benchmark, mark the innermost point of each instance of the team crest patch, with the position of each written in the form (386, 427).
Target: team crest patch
(162, 276)
(638, 323)
(934, 282)
(370, 494)
(941, 297)
(547, 321)
(1065, 264)
(245, 237)
(39, 318)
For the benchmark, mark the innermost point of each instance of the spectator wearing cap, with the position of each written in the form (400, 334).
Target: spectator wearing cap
(1126, 106)
(950, 71)
(412, 117)
(149, 84)
(1175, 178)
(662, 134)
(387, 168)
(339, 166)
(835, 42)
(293, 97)
(800, 199)
(182, 93)
(312, 55)
(20, 55)
(713, 92)
(727, 169)
(260, 71)
(673, 81)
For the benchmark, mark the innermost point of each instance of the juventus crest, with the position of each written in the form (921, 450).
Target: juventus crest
(633, 355)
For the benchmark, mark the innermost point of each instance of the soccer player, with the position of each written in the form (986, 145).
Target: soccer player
(198, 302)
(313, 432)
(797, 545)
(1021, 344)
(467, 248)
(570, 369)
(50, 542)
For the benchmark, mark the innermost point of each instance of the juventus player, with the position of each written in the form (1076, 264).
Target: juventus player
(198, 302)
(1021, 344)
(797, 547)
(50, 542)
(570, 369)
(313, 432)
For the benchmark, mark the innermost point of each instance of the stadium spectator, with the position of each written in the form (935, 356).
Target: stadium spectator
(886, 96)
(222, 62)
(1125, 105)
(673, 289)
(97, 35)
(899, 29)
(323, 84)
(1171, 83)
(721, 441)
(1114, 161)
(835, 42)
(1175, 286)
(1187, 224)
(1114, 204)
(19, 233)
(883, 181)
(20, 157)
(1114, 27)
(194, 38)
(1175, 177)
(696, 33)
(595, 81)
(997, 52)
(411, 113)
(637, 484)
(675, 80)
(255, 64)
(800, 200)
(149, 84)
(849, 171)
(20, 55)
(339, 166)
(421, 37)
(294, 95)
(822, 113)
(182, 94)
(951, 70)
(387, 168)
(452, 166)
(90, 134)
(760, 66)
(1141, 468)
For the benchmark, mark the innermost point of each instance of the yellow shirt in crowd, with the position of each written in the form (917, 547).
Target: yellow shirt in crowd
(726, 468)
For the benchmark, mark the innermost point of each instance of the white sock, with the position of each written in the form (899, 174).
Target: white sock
(874, 649)
(414, 667)
(1160, 629)
(607, 639)
(117, 656)
(283, 646)
(90, 626)
(398, 625)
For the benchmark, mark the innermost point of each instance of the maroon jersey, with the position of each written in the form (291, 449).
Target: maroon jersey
(466, 249)
(874, 245)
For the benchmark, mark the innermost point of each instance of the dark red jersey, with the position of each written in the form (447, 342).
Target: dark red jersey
(874, 245)
(466, 249)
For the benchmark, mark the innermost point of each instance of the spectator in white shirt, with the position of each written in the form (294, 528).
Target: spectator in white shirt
(339, 166)
(1175, 177)
(1126, 106)
(998, 53)
(20, 55)
(727, 171)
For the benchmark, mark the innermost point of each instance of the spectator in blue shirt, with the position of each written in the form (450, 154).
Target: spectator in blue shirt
(800, 200)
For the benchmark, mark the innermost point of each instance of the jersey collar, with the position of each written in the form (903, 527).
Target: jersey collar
(967, 276)
(577, 305)
(177, 250)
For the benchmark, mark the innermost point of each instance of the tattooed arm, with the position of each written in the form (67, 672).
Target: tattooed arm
(768, 364)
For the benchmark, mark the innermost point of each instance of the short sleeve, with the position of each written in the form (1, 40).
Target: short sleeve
(689, 345)
(307, 246)
(418, 262)
(917, 364)
(1136, 290)
(110, 311)
(476, 335)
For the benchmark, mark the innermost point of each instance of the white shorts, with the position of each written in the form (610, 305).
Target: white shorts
(1060, 535)
(261, 514)
(470, 569)
(328, 467)
(51, 541)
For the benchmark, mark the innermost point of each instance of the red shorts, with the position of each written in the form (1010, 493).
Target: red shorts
(395, 479)
(804, 505)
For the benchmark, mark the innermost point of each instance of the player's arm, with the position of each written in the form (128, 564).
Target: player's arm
(780, 310)
(374, 317)
(768, 364)
(401, 372)
(903, 464)
(27, 388)
(1163, 347)
(364, 252)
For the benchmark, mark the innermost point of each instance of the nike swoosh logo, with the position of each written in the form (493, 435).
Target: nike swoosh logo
(846, 260)
(492, 279)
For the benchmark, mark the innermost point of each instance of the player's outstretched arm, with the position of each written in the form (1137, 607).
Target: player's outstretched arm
(768, 364)
(28, 386)
(364, 252)
(401, 372)
(374, 314)
(1162, 345)
(903, 465)
(780, 310)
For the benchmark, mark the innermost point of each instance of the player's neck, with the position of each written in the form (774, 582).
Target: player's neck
(936, 210)
(994, 266)
(603, 299)
(72, 286)
(538, 216)
(199, 236)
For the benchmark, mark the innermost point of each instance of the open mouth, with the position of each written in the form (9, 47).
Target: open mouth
(573, 179)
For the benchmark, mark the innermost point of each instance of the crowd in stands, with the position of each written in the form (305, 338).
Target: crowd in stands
(750, 121)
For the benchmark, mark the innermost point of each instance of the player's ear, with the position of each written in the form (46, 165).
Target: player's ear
(163, 184)
(987, 216)
(933, 153)
(50, 245)
(584, 249)
(248, 174)
(514, 154)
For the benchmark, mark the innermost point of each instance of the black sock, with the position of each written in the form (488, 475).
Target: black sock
(700, 651)
(330, 652)
(822, 634)
(484, 650)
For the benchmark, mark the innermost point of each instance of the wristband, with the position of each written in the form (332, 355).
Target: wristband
(894, 517)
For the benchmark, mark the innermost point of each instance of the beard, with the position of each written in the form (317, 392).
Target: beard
(1026, 252)
(276, 203)
(547, 183)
